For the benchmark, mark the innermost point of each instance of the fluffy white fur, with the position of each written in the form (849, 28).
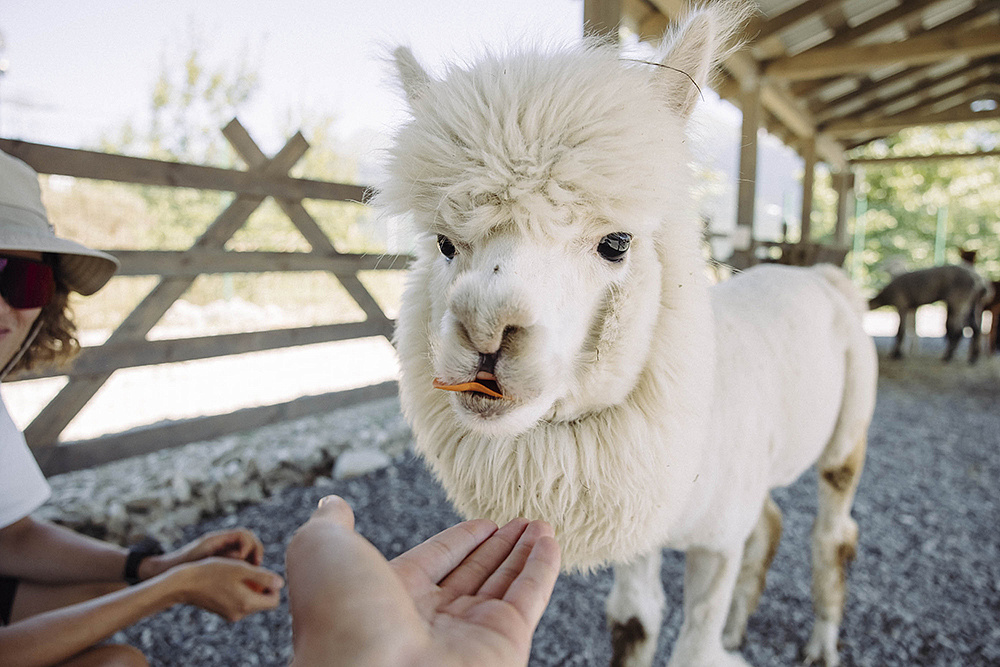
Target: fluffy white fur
(643, 409)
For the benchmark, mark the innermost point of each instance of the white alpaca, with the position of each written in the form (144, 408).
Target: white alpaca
(560, 266)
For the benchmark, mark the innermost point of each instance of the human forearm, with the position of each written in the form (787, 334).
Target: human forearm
(44, 552)
(54, 636)
(227, 587)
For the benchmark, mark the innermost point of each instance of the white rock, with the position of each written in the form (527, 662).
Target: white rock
(357, 462)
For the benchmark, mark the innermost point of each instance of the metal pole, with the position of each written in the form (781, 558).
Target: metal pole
(942, 234)
(861, 207)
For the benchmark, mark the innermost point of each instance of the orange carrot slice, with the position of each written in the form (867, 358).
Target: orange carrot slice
(467, 386)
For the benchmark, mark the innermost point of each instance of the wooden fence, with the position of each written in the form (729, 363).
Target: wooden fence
(127, 347)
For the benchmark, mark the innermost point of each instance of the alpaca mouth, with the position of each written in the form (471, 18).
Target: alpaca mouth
(485, 383)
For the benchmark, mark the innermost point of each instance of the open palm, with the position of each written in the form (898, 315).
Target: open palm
(471, 595)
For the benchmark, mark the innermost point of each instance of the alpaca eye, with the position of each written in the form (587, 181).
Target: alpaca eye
(446, 247)
(614, 246)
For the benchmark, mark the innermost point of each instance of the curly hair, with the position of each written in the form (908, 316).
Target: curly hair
(56, 342)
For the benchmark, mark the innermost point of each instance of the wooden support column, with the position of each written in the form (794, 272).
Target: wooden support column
(843, 181)
(746, 188)
(601, 18)
(808, 178)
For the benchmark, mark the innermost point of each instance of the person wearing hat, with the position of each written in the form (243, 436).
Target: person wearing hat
(62, 593)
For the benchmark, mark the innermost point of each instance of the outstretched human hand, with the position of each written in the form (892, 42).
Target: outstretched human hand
(471, 595)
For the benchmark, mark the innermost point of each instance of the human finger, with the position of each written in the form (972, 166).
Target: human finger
(238, 544)
(336, 509)
(530, 591)
(265, 583)
(502, 577)
(470, 575)
(436, 557)
(230, 588)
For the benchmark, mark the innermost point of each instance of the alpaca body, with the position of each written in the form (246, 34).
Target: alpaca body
(783, 336)
(963, 291)
(559, 259)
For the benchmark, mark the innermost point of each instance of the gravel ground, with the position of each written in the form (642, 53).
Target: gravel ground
(924, 589)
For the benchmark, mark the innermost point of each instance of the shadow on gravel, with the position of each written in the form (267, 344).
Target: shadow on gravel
(922, 591)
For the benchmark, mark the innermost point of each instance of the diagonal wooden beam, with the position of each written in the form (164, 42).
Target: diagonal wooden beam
(43, 432)
(306, 224)
(931, 47)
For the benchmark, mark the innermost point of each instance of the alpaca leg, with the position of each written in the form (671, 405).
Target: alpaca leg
(758, 552)
(834, 540)
(635, 611)
(709, 578)
(954, 326)
(975, 323)
(897, 349)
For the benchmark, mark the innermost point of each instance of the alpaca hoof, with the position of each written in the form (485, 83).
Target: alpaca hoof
(736, 625)
(732, 641)
(822, 647)
(714, 659)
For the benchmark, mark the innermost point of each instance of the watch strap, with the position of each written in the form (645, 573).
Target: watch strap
(137, 553)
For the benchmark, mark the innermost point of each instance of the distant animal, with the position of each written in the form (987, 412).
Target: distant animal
(563, 356)
(958, 285)
(992, 304)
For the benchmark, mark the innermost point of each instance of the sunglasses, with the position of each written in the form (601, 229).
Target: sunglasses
(25, 283)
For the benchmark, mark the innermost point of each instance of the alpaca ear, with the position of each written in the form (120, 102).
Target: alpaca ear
(701, 40)
(412, 76)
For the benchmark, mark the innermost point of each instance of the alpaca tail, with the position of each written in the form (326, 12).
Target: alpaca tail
(842, 282)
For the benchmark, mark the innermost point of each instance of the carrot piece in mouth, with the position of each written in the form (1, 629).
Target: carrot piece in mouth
(468, 386)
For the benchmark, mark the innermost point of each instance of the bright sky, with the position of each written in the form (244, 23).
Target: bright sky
(77, 69)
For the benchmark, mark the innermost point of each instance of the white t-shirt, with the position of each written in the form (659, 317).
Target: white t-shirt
(22, 485)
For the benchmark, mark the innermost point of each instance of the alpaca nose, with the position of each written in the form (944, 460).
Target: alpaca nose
(489, 342)
(488, 324)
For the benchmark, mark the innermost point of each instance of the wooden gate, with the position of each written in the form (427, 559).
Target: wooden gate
(127, 347)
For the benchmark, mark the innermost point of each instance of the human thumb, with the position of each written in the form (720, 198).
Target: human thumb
(334, 508)
(263, 581)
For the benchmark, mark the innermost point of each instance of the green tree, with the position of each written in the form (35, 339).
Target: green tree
(908, 203)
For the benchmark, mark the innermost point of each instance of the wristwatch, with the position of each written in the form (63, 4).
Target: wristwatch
(137, 553)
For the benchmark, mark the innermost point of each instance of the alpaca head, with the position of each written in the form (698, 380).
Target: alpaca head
(549, 189)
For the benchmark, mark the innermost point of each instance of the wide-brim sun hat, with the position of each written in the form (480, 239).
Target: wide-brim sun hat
(24, 225)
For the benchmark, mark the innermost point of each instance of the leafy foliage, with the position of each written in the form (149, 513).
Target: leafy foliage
(917, 208)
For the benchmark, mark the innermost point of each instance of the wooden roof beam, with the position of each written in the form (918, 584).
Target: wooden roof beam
(903, 12)
(951, 99)
(923, 158)
(870, 90)
(919, 87)
(744, 69)
(793, 16)
(974, 17)
(931, 47)
(866, 128)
